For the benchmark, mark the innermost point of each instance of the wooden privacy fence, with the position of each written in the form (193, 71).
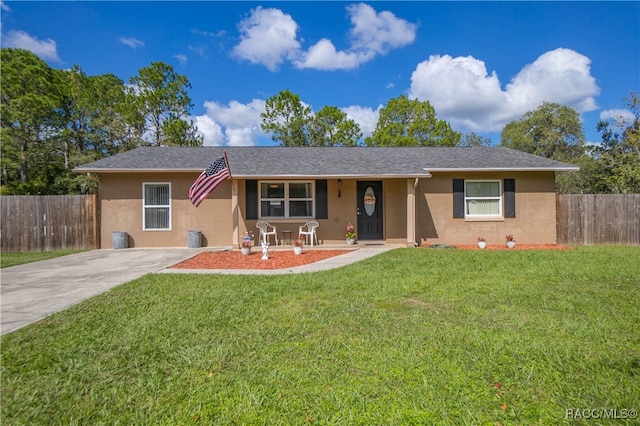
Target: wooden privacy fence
(48, 222)
(587, 219)
(51, 222)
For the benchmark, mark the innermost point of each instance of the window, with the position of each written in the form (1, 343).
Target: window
(156, 204)
(286, 199)
(483, 198)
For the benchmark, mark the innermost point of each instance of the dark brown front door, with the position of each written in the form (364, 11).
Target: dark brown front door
(370, 210)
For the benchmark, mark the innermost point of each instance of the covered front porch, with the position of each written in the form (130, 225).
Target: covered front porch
(382, 211)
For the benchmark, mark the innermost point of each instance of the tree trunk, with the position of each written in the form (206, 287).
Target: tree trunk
(24, 176)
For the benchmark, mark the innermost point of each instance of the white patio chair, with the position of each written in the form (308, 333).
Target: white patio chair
(310, 232)
(266, 229)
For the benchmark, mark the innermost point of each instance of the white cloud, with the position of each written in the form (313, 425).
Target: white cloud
(378, 32)
(459, 89)
(132, 42)
(181, 58)
(240, 137)
(366, 117)
(324, 56)
(198, 50)
(45, 49)
(372, 34)
(560, 75)
(212, 34)
(4, 6)
(268, 37)
(233, 124)
(465, 94)
(212, 132)
(621, 118)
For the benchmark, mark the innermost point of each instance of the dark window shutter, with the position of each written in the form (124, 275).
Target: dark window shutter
(509, 198)
(251, 190)
(458, 198)
(322, 211)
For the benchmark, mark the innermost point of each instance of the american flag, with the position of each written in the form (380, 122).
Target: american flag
(208, 180)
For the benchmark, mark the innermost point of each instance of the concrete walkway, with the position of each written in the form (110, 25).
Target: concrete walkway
(35, 290)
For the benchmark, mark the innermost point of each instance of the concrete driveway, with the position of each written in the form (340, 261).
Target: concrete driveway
(33, 291)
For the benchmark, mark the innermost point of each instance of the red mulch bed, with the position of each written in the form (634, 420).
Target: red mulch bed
(235, 260)
(518, 247)
(282, 259)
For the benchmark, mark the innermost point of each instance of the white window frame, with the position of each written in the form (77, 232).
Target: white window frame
(145, 206)
(287, 199)
(500, 199)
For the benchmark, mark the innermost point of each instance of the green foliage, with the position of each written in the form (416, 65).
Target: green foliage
(177, 131)
(286, 118)
(159, 99)
(292, 123)
(54, 120)
(331, 127)
(473, 139)
(619, 153)
(551, 131)
(30, 95)
(410, 122)
(554, 131)
(412, 336)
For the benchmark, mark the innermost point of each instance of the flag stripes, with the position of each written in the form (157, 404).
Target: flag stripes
(208, 180)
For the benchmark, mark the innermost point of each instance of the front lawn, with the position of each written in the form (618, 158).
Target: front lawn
(13, 259)
(413, 336)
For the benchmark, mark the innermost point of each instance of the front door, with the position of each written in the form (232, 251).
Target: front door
(370, 210)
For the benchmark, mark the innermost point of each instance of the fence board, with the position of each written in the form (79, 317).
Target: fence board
(587, 219)
(52, 222)
(48, 222)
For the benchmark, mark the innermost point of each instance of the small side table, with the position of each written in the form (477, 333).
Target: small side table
(287, 233)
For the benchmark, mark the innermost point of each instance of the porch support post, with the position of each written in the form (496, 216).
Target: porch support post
(411, 211)
(234, 213)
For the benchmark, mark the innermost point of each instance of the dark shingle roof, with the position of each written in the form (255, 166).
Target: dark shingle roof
(252, 162)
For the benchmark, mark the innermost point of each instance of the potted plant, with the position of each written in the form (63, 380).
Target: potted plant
(350, 235)
(511, 243)
(298, 244)
(245, 248)
(482, 243)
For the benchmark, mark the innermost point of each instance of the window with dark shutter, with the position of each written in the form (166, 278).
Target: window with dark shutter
(322, 211)
(251, 189)
(509, 198)
(458, 198)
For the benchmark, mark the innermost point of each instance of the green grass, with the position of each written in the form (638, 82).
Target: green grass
(13, 259)
(413, 336)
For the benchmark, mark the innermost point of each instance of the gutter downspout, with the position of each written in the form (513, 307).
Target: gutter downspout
(96, 213)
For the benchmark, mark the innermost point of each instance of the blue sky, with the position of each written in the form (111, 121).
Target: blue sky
(480, 64)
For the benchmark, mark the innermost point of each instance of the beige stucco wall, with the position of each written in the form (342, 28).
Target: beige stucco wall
(121, 210)
(535, 221)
